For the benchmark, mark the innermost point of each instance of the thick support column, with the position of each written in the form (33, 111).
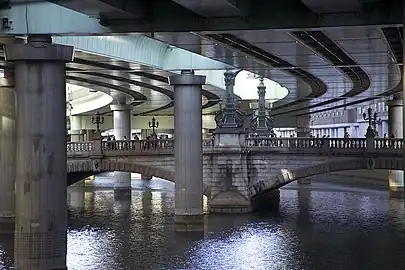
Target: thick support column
(145, 133)
(395, 127)
(188, 151)
(303, 130)
(7, 154)
(89, 134)
(122, 129)
(76, 191)
(403, 97)
(76, 132)
(41, 215)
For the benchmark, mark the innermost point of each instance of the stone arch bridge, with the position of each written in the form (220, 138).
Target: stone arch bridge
(233, 176)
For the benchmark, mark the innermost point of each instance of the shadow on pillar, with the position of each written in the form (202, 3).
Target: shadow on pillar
(229, 200)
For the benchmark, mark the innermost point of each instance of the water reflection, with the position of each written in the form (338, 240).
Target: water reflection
(313, 229)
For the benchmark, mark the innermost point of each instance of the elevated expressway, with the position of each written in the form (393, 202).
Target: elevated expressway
(308, 47)
(107, 70)
(105, 77)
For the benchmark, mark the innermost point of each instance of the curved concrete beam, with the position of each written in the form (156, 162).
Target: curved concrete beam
(149, 52)
(90, 102)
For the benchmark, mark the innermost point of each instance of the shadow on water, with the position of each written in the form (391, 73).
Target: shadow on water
(310, 229)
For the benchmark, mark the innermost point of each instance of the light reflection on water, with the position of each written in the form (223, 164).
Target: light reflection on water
(319, 229)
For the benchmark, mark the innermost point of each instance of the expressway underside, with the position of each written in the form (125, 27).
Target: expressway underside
(178, 60)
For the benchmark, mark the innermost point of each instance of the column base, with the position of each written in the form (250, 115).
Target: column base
(122, 194)
(304, 181)
(189, 223)
(229, 202)
(122, 181)
(146, 177)
(397, 192)
(267, 201)
(7, 225)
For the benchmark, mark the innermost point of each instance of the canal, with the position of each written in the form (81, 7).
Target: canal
(323, 227)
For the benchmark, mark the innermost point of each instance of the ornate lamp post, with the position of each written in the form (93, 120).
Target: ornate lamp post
(97, 119)
(372, 121)
(154, 124)
(229, 116)
(262, 123)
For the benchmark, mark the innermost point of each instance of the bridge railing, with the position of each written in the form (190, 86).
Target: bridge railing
(381, 143)
(122, 146)
(341, 145)
(294, 145)
(266, 142)
(80, 147)
(137, 146)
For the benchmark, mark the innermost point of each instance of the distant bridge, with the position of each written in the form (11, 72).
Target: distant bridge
(251, 169)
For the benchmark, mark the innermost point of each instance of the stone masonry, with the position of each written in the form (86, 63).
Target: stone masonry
(233, 177)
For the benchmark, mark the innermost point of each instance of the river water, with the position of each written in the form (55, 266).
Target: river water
(324, 227)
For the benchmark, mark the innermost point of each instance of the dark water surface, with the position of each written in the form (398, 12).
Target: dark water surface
(325, 228)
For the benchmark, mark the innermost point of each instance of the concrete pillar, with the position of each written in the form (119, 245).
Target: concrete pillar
(89, 134)
(122, 128)
(145, 133)
(395, 127)
(303, 130)
(41, 214)
(75, 192)
(303, 123)
(188, 151)
(76, 133)
(7, 154)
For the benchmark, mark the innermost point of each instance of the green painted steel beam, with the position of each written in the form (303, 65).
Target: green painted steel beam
(47, 18)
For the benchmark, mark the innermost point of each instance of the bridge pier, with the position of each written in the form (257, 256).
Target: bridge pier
(188, 151)
(303, 131)
(7, 153)
(395, 127)
(41, 214)
(122, 129)
(75, 192)
(229, 192)
(229, 188)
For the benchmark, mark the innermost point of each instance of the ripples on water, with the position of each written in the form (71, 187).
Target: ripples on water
(325, 230)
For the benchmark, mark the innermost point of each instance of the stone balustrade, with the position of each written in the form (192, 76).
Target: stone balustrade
(321, 146)
(340, 146)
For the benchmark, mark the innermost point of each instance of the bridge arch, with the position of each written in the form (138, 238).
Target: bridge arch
(78, 170)
(287, 176)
